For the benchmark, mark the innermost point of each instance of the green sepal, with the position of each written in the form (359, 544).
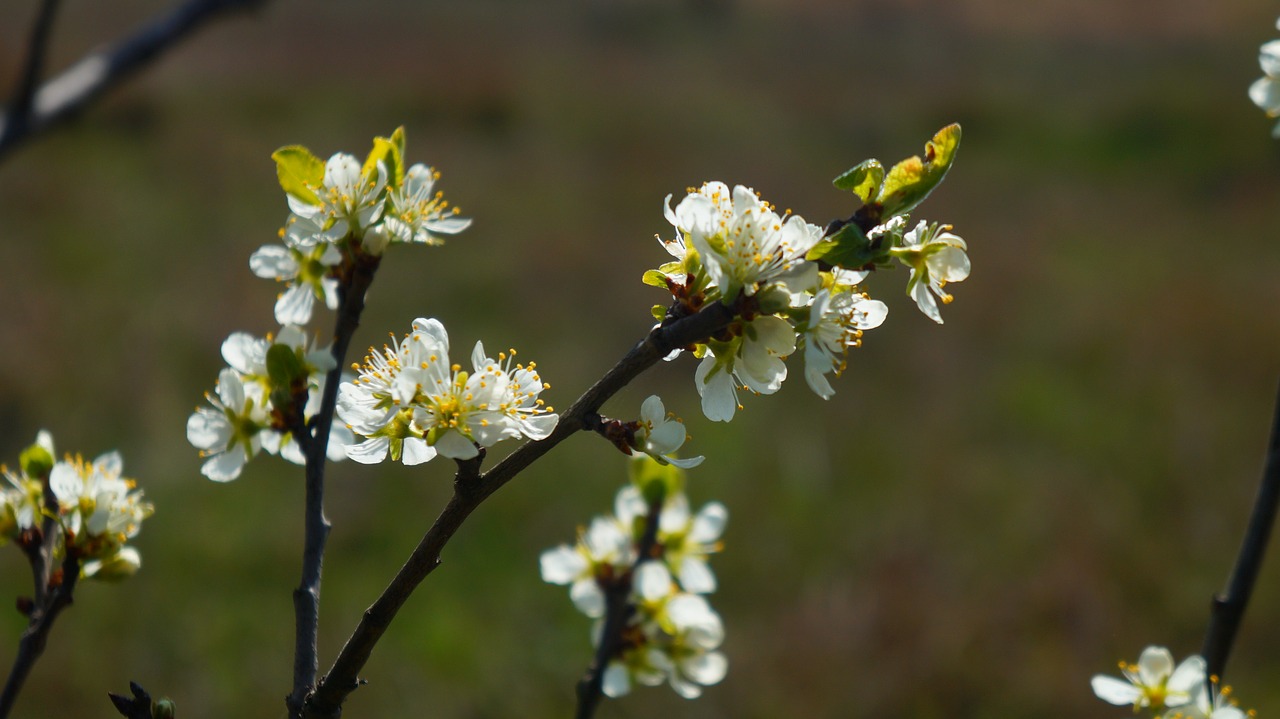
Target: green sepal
(848, 248)
(911, 180)
(389, 150)
(36, 462)
(655, 481)
(299, 171)
(863, 179)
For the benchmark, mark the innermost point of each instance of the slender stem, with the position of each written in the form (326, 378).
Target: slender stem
(471, 488)
(306, 598)
(98, 72)
(1227, 610)
(24, 95)
(32, 643)
(619, 609)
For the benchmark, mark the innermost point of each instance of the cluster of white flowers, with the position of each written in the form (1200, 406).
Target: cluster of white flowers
(242, 418)
(349, 208)
(673, 634)
(1155, 685)
(98, 510)
(731, 245)
(341, 212)
(1265, 91)
(411, 403)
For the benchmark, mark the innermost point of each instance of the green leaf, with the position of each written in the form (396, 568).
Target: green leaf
(659, 312)
(299, 171)
(656, 278)
(390, 151)
(848, 248)
(911, 180)
(863, 179)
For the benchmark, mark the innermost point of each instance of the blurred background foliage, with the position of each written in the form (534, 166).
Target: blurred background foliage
(986, 514)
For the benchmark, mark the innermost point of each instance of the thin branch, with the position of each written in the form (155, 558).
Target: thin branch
(306, 598)
(32, 643)
(20, 106)
(619, 609)
(1227, 610)
(85, 81)
(472, 488)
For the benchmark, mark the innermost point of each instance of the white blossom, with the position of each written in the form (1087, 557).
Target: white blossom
(660, 435)
(744, 245)
(1153, 682)
(936, 257)
(349, 203)
(306, 272)
(836, 322)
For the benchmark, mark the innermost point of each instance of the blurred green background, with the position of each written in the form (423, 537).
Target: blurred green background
(986, 514)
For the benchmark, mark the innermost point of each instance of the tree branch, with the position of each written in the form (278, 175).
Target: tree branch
(85, 81)
(36, 635)
(472, 488)
(618, 612)
(306, 598)
(20, 105)
(1227, 609)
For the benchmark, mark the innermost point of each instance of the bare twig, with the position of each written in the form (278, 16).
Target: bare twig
(98, 72)
(472, 488)
(617, 615)
(306, 598)
(36, 635)
(1227, 609)
(33, 70)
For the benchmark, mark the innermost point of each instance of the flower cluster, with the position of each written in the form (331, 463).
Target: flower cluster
(342, 209)
(1155, 685)
(410, 402)
(673, 633)
(257, 401)
(1265, 91)
(97, 509)
(343, 214)
(734, 247)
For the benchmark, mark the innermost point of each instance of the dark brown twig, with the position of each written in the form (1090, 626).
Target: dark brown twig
(1228, 608)
(32, 643)
(306, 598)
(617, 615)
(86, 80)
(33, 70)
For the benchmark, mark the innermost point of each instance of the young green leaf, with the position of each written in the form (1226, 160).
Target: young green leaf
(390, 151)
(911, 180)
(299, 171)
(863, 179)
(848, 248)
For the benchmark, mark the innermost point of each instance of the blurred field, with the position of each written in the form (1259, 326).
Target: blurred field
(986, 514)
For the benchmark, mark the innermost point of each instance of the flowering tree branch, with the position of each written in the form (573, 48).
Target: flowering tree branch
(34, 110)
(617, 614)
(1228, 608)
(472, 487)
(32, 644)
(306, 598)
